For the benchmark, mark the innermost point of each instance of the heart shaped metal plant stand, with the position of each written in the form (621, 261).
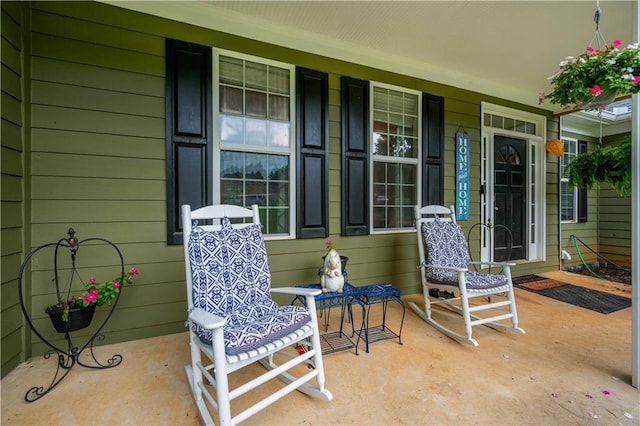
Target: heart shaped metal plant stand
(67, 358)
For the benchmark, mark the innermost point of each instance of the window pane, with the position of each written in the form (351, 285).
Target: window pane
(263, 179)
(278, 134)
(279, 80)
(256, 104)
(231, 129)
(380, 144)
(394, 194)
(256, 132)
(256, 75)
(231, 100)
(396, 101)
(278, 107)
(231, 71)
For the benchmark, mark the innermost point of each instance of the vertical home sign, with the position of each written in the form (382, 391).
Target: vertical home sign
(462, 176)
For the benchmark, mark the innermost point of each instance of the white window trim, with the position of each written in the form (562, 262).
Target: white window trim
(575, 190)
(536, 178)
(398, 160)
(218, 146)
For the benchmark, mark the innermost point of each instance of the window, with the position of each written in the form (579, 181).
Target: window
(568, 197)
(395, 152)
(253, 153)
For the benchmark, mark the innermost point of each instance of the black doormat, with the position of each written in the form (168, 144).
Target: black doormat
(587, 298)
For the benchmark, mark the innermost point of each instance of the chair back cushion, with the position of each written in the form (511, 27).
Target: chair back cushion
(445, 246)
(231, 278)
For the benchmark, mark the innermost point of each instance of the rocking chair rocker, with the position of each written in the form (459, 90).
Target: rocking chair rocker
(444, 259)
(234, 322)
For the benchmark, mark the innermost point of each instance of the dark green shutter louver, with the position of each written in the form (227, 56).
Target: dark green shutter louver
(312, 142)
(354, 95)
(188, 131)
(582, 192)
(432, 149)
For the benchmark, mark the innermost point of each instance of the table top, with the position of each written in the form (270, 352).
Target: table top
(349, 290)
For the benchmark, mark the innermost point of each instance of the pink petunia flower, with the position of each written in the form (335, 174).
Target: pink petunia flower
(134, 271)
(116, 284)
(590, 49)
(636, 78)
(92, 280)
(596, 90)
(130, 277)
(617, 42)
(89, 297)
(94, 291)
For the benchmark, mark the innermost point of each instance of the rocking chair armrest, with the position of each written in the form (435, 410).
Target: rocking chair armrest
(445, 268)
(503, 264)
(206, 319)
(297, 291)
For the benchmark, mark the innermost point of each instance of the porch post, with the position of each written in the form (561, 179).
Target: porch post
(635, 219)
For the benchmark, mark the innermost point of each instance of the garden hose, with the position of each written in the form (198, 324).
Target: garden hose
(575, 242)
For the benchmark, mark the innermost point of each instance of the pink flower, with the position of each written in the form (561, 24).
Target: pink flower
(617, 42)
(130, 278)
(92, 280)
(596, 90)
(636, 78)
(89, 297)
(93, 292)
(116, 284)
(134, 271)
(591, 49)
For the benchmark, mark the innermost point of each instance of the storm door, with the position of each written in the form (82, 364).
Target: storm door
(510, 166)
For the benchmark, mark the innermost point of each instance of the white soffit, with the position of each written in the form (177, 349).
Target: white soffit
(505, 49)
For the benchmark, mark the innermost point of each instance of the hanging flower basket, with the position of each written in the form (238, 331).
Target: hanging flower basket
(77, 318)
(594, 78)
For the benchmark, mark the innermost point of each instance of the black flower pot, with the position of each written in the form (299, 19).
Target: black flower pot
(79, 318)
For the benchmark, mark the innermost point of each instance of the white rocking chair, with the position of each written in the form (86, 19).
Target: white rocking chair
(444, 261)
(234, 322)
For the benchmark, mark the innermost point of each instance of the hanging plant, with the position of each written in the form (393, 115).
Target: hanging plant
(610, 164)
(593, 78)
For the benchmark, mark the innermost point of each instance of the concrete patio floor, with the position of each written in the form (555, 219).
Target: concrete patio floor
(572, 367)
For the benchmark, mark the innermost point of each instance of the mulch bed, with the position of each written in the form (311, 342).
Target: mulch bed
(610, 274)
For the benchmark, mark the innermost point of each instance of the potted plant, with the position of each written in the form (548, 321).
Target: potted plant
(610, 164)
(76, 313)
(594, 78)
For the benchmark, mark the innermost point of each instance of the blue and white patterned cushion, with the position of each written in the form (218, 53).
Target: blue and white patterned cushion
(231, 278)
(447, 246)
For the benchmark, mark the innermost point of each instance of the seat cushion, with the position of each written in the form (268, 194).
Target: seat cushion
(231, 278)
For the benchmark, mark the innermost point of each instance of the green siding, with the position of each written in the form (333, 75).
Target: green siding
(96, 155)
(12, 196)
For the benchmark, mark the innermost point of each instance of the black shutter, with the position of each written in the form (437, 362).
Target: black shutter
(312, 195)
(432, 149)
(582, 192)
(188, 131)
(354, 95)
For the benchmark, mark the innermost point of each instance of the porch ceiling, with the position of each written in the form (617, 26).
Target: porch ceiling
(502, 48)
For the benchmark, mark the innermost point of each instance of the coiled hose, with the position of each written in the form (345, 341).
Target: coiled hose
(575, 243)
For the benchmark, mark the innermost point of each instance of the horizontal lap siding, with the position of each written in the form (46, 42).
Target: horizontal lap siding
(98, 159)
(98, 164)
(12, 190)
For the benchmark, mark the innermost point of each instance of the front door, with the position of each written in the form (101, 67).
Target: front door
(510, 168)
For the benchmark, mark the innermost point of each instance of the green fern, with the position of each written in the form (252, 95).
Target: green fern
(610, 164)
